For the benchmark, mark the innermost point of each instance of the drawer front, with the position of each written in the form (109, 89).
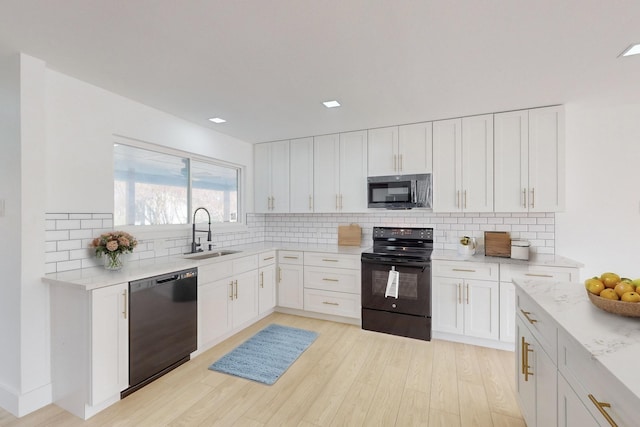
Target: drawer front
(336, 303)
(560, 274)
(587, 377)
(540, 323)
(267, 258)
(466, 270)
(290, 257)
(212, 272)
(242, 265)
(332, 279)
(332, 260)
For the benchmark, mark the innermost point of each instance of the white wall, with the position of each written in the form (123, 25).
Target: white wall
(601, 225)
(10, 231)
(81, 122)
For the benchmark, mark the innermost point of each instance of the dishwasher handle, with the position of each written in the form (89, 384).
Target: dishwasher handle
(168, 279)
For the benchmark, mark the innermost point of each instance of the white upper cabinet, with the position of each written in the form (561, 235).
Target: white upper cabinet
(340, 172)
(463, 164)
(529, 160)
(400, 150)
(301, 175)
(271, 180)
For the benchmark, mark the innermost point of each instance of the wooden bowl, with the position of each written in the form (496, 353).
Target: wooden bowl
(622, 308)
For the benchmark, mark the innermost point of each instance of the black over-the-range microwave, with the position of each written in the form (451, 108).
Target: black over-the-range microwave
(399, 191)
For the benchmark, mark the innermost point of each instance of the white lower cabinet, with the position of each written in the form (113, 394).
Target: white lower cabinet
(267, 282)
(571, 411)
(332, 284)
(90, 347)
(290, 279)
(226, 303)
(465, 299)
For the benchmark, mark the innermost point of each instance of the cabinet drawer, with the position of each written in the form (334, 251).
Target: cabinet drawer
(212, 272)
(587, 376)
(561, 274)
(540, 323)
(242, 265)
(336, 303)
(266, 258)
(290, 257)
(332, 260)
(466, 270)
(332, 279)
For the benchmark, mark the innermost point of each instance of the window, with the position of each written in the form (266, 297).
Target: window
(153, 188)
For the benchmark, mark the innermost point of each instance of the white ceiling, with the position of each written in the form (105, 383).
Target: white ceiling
(266, 65)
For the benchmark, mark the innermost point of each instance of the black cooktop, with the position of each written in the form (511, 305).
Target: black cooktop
(406, 243)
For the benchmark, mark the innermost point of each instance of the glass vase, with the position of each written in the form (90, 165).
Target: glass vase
(113, 261)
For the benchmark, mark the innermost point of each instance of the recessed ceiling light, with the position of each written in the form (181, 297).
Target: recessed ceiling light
(217, 120)
(331, 104)
(634, 49)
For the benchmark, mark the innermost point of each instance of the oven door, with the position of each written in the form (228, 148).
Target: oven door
(414, 286)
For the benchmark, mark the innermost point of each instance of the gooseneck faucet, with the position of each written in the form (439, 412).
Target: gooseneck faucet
(195, 247)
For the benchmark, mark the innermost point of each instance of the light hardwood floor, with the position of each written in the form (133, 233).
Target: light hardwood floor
(348, 377)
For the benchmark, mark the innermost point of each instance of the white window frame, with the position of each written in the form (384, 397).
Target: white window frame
(177, 230)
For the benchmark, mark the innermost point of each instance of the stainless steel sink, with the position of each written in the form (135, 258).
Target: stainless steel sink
(213, 254)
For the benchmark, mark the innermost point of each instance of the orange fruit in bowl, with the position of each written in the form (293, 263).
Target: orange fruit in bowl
(609, 293)
(595, 286)
(610, 280)
(624, 287)
(630, 297)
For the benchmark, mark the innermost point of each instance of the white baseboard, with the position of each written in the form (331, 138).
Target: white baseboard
(20, 405)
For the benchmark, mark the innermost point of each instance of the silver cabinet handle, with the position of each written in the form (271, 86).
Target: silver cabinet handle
(330, 303)
(459, 293)
(465, 199)
(458, 198)
(330, 280)
(310, 203)
(267, 258)
(538, 275)
(533, 197)
(400, 163)
(290, 257)
(330, 260)
(236, 293)
(231, 290)
(463, 269)
(524, 197)
(467, 294)
(262, 279)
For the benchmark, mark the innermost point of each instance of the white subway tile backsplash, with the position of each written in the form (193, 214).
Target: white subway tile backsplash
(91, 223)
(55, 235)
(67, 224)
(81, 216)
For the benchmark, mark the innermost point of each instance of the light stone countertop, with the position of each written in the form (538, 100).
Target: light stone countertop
(97, 277)
(534, 259)
(612, 340)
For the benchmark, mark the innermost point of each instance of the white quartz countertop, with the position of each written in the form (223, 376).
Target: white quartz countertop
(534, 259)
(98, 277)
(612, 340)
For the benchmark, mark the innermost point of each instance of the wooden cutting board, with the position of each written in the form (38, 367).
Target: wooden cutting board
(497, 243)
(349, 235)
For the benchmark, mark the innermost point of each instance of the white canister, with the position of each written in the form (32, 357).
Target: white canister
(520, 249)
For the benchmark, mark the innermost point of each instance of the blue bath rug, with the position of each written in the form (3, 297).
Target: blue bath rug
(267, 355)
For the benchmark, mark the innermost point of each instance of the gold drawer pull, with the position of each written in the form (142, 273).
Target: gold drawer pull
(330, 303)
(330, 260)
(526, 315)
(538, 275)
(601, 406)
(525, 360)
(330, 280)
(290, 257)
(462, 269)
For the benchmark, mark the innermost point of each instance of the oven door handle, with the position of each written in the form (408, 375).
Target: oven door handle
(403, 264)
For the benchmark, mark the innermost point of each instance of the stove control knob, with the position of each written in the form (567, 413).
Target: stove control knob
(393, 305)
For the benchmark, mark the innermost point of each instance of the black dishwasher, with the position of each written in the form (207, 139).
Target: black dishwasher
(163, 325)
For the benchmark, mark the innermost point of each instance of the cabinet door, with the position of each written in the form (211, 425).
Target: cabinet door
(546, 159)
(109, 342)
(213, 310)
(447, 173)
(326, 156)
(301, 175)
(571, 410)
(511, 161)
(353, 172)
(447, 315)
(507, 312)
(415, 148)
(245, 294)
(382, 151)
(290, 291)
(267, 288)
(481, 311)
(262, 177)
(525, 384)
(280, 176)
(477, 164)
